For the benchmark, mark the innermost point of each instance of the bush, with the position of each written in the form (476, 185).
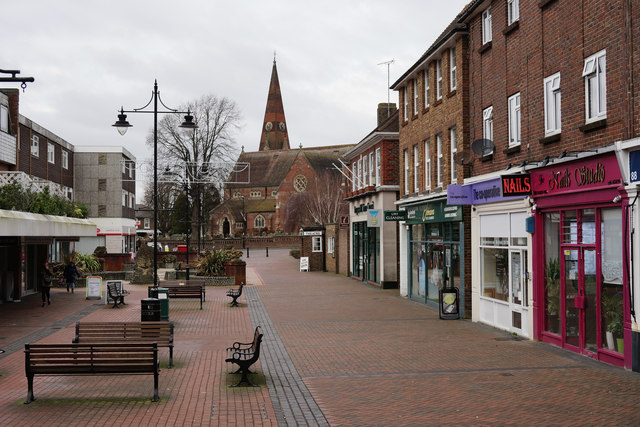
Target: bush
(15, 197)
(100, 252)
(212, 263)
(169, 258)
(295, 253)
(87, 262)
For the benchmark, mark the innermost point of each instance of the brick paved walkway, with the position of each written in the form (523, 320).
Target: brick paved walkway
(336, 352)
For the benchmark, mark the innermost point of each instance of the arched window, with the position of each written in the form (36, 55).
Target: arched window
(258, 222)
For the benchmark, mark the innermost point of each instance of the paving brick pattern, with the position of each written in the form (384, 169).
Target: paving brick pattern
(336, 352)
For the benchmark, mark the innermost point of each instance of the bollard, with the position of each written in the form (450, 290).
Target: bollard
(267, 251)
(247, 252)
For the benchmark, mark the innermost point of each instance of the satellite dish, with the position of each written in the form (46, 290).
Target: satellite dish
(482, 147)
(463, 158)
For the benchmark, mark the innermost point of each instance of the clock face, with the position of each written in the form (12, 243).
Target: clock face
(268, 126)
(281, 125)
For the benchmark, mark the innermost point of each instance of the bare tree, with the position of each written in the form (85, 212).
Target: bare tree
(322, 203)
(203, 156)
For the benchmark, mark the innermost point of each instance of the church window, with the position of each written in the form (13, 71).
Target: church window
(255, 193)
(258, 222)
(300, 183)
(237, 195)
(274, 193)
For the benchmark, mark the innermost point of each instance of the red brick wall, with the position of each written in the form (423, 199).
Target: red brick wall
(555, 38)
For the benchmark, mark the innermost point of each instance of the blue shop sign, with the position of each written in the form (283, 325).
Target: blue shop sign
(634, 166)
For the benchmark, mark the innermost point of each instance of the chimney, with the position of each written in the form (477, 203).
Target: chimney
(385, 110)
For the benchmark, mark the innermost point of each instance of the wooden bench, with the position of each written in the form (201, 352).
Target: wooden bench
(235, 294)
(116, 295)
(186, 291)
(244, 355)
(126, 332)
(91, 359)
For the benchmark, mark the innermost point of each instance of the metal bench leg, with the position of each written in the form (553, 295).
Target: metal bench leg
(245, 380)
(155, 387)
(170, 356)
(30, 397)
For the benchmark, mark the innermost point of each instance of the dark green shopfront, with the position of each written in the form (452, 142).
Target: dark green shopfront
(436, 252)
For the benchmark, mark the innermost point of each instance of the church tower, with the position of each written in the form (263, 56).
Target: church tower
(274, 129)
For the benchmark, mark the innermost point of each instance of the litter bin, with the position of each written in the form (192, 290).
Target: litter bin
(161, 294)
(449, 306)
(150, 310)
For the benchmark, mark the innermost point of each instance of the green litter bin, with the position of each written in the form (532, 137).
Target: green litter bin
(162, 294)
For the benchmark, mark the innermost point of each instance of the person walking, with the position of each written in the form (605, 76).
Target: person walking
(46, 279)
(70, 275)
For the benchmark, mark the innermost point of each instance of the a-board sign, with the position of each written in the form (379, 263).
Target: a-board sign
(304, 263)
(118, 284)
(94, 287)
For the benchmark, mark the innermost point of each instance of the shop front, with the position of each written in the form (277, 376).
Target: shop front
(581, 285)
(436, 251)
(501, 286)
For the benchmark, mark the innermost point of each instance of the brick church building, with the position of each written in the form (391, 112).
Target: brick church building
(258, 199)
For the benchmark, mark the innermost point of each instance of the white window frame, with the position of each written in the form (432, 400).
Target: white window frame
(513, 11)
(439, 159)
(360, 179)
(132, 199)
(378, 167)
(147, 223)
(427, 88)
(365, 171)
(487, 31)
(35, 145)
(124, 167)
(4, 119)
(331, 244)
(371, 169)
(454, 149)
(552, 105)
(427, 164)
(65, 159)
(132, 166)
(316, 244)
(595, 86)
(124, 198)
(406, 104)
(438, 79)
(515, 120)
(487, 123)
(406, 171)
(452, 69)
(354, 176)
(51, 153)
(416, 166)
(415, 97)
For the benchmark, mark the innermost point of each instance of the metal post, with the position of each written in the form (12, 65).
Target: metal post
(186, 268)
(247, 252)
(155, 184)
(267, 251)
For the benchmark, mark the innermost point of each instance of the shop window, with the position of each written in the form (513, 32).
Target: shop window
(316, 244)
(552, 273)
(612, 281)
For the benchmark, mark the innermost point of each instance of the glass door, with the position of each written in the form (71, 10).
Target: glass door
(580, 299)
(517, 286)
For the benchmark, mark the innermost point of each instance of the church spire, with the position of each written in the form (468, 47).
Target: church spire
(274, 129)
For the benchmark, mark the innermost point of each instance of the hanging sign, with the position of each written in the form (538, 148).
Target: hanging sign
(516, 185)
(373, 218)
(395, 215)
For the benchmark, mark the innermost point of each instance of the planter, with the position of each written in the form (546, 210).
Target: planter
(169, 265)
(238, 269)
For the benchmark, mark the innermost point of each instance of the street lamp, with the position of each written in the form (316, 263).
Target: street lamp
(122, 125)
(244, 223)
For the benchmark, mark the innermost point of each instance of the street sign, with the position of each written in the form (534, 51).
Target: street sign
(395, 215)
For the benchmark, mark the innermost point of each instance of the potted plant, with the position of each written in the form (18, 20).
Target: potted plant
(611, 305)
(169, 260)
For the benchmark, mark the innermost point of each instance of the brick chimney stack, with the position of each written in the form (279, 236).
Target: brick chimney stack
(385, 110)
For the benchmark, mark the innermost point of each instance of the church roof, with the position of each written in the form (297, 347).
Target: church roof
(275, 134)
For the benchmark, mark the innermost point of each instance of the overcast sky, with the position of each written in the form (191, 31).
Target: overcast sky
(91, 57)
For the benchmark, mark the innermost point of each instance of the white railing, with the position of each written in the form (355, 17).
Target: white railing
(35, 184)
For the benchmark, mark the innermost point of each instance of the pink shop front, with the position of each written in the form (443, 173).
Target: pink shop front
(581, 285)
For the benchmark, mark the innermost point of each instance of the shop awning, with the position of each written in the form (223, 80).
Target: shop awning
(17, 223)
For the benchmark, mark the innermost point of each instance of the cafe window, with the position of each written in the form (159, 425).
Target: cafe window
(316, 245)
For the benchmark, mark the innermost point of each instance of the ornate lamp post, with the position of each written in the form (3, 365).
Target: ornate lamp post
(122, 125)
